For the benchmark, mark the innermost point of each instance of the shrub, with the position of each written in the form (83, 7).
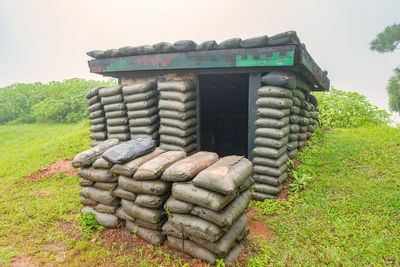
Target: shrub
(339, 109)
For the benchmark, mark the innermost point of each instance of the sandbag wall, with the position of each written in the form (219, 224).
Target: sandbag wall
(96, 116)
(177, 110)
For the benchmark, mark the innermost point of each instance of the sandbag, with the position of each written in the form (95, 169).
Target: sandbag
(271, 162)
(187, 149)
(154, 237)
(121, 193)
(118, 129)
(176, 105)
(157, 187)
(305, 113)
(108, 100)
(179, 141)
(130, 167)
(226, 175)
(105, 208)
(274, 91)
(292, 153)
(151, 226)
(142, 113)
(142, 104)
(93, 93)
(96, 114)
(120, 136)
(294, 128)
(272, 123)
(267, 189)
(138, 88)
(259, 41)
(181, 124)
(98, 136)
(296, 102)
(107, 220)
(280, 78)
(294, 110)
(153, 136)
(97, 175)
(145, 214)
(304, 121)
(294, 119)
(105, 186)
(271, 180)
(111, 53)
(144, 129)
(84, 182)
(127, 51)
(127, 151)
(155, 167)
(99, 195)
(273, 113)
(140, 96)
(115, 114)
(269, 152)
(292, 145)
(117, 121)
(273, 133)
(189, 167)
(151, 201)
(207, 45)
(176, 131)
(120, 213)
(201, 197)
(310, 128)
(302, 143)
(293, 136)
(289, 37)
(98, 128)
(303, 129)
(261, 196)
(94, 107)
(178, 96)
(110, 91)
(184, 45)
(246, 185)
(271, 171)
(163, 47)
(177, 114)
(299, 94)
(97, 120)
(114, 107)
(305, 105)
(181, 86)
(313, 100)
(95, 143)
(93, 100)
(271, 142)
(88, 202)
(274, 102)
(234, 253)
(174, 205)
(228, 215)
(192, 249)
(230, 43)
(145, 121)
(144, 49)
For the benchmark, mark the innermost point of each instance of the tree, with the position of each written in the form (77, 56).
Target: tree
(393, 90)
(388, 40)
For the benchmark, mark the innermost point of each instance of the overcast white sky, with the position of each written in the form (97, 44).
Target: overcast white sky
(45, 40)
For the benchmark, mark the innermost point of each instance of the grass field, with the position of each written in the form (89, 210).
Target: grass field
(348, 214)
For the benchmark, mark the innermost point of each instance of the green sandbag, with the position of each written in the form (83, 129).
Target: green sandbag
(294, 128)
(156, 187)
(118, 129)
(97, 175)
(267, 189)
(154, 237)
(114, 107)
(176, 131)
(310, 128)
(304, 121)
(181, 124)
(271, 180)
(293, 136)
(230, 43)
(120, 213)
(292, 153)
(184, 45)
(145, 214)
(142, 104)
(93, 100)
(88, 202)
(120, 136)
(271, 142)
(280, 78)
(305, 113)
(259, 41)
(181, 86)
(95, 106)
(144, 129)
(105, 186)
(151, 201)
(93, 92)
(108, 100)
(179, 141)
(296, 102)
(207, 45)
(145, 121)
(303, 129)
(98, 128)
(153, 136)
(289, 37)
(85, 182)
(272, 123)
(178, 96)
(176, 105)
(271, 162)
(138, 88)
(121, 193)
(192, 249)
(273, 113)
(97, 120)
(99, 195)
(151, 226)
(99, 136)
(273, 133)
(174, 205)
(294, 110)
(142, 113)
(246, 185)
(96, 114)
(140, 96)
(116, 114)
(302, 137)
(106, 208)
(163, 47)
(261, 196)
(292, 145)
(117, 121)
(270, 171)
(305, 105)
(107, 220)
(269, 152)
(110, 91)
(274, 102)
(294, 119)
(187, 149)
(177, 114)
(274, 91)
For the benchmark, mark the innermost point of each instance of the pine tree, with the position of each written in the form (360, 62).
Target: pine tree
(388, 40)
(393, 90)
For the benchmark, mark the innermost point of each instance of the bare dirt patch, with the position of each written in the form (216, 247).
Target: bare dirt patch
(60, 166)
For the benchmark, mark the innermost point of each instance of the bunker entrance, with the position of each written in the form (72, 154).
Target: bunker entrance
(224, 113)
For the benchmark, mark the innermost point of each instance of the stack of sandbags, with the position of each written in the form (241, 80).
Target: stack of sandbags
(96, 116)
(98, 183)
(206, 213)
(114, 107)
(141, 101)
(178, 121)
(313, 114)
(304, 121)
(145, 210)
(295, 123)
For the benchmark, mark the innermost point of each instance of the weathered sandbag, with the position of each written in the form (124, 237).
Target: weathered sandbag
(111, 53)
(97, 175)
(271, 180)
(110, 91)
(99, 195)
(138, 88)
(269, 152)
(130, 167)
(305, 105)
(153, 136)
(163, 47)
(120, 136)
(299, 94)
(271, 162)
(184, 45)
(267, 189)
(196, 226)
(228, 215)
(310, 128)
(115, 114)
(121, 193)
(107, 220)
(144, 129)
(294, 110)
(289, 37)
(108, 100)
(246, 185)
(302, 143)
(177, 114)
(181, 124)
(146, 104)
(303, 129)
(292, 145)
(311, 120)
(88, 157)
(313, 100)
(294, 119)
(120, 213)
(151, 226)
(189, 167)
(93, 92)
(157, 187)
(201, 197)
(97, 120)
(187, 149)
(294, 128)
(105, 208)
(305, 113)
(94, 107)
(117, 121)
(280, 78)
(155, 167)
(145, 214)
(230, 43)
(142, 113)
(118, 129)
(176, 105)
(273, 113)
(127, 51)
(154, 237)
(226, 175)
(293, 136)
(114, 107)
(274, 102)
(178, 96)
(145, 49)
(261, 196)
(174, 205)
(274, 91)
(140, 96)
(179, 141)
(88, 202)
(151, 201)
(96, 114)
(271, 171)
(181, 86)
(207, 45)
(192, 249)
(85, 182)
(314, 115)
(127, 151)
(145, 121)
(177, 132)
(93, 100)
(273, 133)
(271, 142)
(304, 121)
(259, 41)
(95, 143)
(296, 102)
(169, 229)
(98, 136)
(292, 153)
(105, 186)
(98, 128)
(272, 123)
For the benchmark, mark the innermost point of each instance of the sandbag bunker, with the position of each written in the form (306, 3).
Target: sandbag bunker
(197, 203)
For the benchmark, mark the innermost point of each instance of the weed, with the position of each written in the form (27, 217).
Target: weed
(300, 181)
(88, 223)
(220, 262)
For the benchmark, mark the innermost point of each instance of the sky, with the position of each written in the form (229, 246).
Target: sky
(45, 40)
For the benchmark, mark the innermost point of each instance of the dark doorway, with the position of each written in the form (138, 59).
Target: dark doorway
(223, 113)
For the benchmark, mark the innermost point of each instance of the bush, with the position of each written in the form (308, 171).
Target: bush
(339, 109)
(61, 101)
